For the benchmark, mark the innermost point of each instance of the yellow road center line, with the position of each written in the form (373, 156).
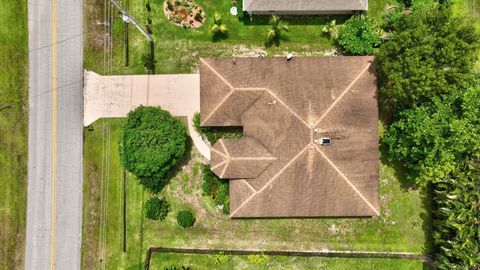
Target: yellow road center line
(54, 134)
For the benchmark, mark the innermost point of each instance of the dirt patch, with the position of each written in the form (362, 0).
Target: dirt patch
(92, 215)
(184, 13)
(94, 23)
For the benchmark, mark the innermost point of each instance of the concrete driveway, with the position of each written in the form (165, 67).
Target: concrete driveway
(115, 96)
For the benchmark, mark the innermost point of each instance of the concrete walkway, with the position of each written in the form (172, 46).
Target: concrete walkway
(115, 96)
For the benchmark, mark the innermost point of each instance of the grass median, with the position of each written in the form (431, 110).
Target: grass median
(13, 131)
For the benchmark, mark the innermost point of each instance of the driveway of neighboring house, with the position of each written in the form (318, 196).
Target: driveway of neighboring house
(115, 96)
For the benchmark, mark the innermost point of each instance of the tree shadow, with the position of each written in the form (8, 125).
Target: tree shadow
(216, 37)
(400, 172)
(427, 202)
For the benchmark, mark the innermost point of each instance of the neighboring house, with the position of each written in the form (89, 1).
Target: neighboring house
(304, 7)
(280, 168)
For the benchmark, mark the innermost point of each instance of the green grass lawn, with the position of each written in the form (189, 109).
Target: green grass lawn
(13, 131)
(177, 49)
(402, 225)
(197, 262)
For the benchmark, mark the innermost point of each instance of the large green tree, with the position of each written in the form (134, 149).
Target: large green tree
(433, 138)
(358, 36)
(430, 52)
(151, 143)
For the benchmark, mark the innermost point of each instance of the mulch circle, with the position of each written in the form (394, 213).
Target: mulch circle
(184, 13)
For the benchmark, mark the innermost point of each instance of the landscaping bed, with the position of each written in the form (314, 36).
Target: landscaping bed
(184, 13)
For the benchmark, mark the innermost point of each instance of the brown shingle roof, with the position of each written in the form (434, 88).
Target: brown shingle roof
(285, 107)
(244, 158)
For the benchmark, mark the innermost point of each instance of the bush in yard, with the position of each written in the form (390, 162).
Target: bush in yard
(216, 188)
(177, 268)
(359, 36)
(185, 219)
(430, 53)
(258, 259)
(151, 143)
(218, 27)
(156, 208)
(433, 138)
(213, 134)
(276, 32)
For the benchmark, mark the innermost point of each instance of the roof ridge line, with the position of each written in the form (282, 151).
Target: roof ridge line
(217, 107)
(216, 73)
(254, 158)
(250, 186)
(347, 180)
(224, 148)
(218, 152)
(218, 165)
(271, 180)
(342, 94)
(276, 97)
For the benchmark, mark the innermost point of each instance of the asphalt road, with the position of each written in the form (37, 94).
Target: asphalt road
(54, 202)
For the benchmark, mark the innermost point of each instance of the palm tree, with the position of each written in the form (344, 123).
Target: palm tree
(274, 35)
(218, 27)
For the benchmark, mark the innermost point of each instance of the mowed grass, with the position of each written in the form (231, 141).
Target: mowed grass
(403, 226)
(13, 131)
(199, 262)
(177, 50)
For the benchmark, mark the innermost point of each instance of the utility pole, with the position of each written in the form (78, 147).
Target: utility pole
(128, 19)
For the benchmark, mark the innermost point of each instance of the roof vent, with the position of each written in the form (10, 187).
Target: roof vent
(325, 141)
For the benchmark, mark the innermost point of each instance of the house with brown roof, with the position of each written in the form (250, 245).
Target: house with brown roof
(304, 7)
(310, 134)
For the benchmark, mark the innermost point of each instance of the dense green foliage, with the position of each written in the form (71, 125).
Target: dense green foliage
(156, 208)
(213, 134)
(152, 141)
(218, 28)
(432, 139)
(359, 36)
(185, 219)
(426, 75)
(276, 32)
(431, 52)
(216, 188)
(457, 219)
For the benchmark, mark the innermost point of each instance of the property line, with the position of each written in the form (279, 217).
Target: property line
(294, 253)
(54, 137)
(270, 181)
(347, 180)
(343, 94)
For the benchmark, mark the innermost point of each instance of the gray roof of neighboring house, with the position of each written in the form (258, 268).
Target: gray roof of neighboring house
(304, 5)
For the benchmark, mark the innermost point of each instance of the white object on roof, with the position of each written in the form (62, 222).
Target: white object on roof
(289, 56)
